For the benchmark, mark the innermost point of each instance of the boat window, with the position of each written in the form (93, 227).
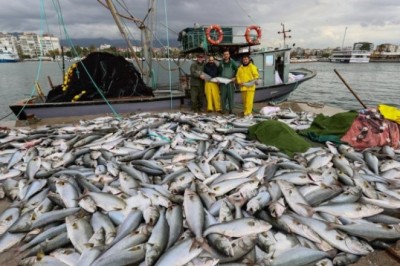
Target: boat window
(269, 60)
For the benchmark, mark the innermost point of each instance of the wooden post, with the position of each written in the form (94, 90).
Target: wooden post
(50, 82)
(355, 95)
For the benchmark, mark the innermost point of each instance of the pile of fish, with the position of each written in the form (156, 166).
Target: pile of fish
(190, 189)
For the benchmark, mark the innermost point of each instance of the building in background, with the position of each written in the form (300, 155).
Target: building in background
(386, 53)
(29, 44)
(33, 45)
(50, 44)
(8, 41)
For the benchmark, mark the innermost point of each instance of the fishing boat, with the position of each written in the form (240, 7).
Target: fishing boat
(276, 83)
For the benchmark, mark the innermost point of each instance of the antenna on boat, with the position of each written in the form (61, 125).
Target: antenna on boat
(344, 37)
(284, 34)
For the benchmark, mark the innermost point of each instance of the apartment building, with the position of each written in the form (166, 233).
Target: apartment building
(8, 42)
(34, 45)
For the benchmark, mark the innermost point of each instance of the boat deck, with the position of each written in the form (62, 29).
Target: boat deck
(316, 108)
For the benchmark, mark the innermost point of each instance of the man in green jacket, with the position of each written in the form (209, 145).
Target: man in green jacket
(227, 69)
(197, 83)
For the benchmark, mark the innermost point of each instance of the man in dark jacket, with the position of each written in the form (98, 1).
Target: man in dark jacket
(197, 83)
(227, 69)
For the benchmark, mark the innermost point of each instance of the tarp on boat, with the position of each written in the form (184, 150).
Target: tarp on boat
(114, 76)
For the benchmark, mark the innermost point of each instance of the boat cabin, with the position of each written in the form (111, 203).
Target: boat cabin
(214, 39)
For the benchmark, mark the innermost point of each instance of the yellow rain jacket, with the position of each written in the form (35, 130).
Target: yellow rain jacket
(243, 75)
(390, 112)
(246, 74)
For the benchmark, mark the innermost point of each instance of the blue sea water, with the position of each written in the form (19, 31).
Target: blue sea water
(374, 83)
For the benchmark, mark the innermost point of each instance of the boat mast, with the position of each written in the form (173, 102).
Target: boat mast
(117, 20)
(344, 37)
(147, 41)
(284, 34)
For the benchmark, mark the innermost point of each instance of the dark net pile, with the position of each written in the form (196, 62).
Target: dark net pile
(114, 76)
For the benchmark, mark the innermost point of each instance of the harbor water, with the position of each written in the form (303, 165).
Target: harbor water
(374, 83)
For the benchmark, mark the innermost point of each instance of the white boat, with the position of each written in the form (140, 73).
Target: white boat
(357, 54)
(350, 56)
(6, 56)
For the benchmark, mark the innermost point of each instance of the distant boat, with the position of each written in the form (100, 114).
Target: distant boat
(303, 60)
(40, 58)
(350, 56)
(354, 55)
(385, 57)
(7, 56)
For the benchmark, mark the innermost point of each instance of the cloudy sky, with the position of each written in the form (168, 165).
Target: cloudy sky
(313, 23)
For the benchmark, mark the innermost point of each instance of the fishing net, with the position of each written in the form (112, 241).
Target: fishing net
(114, 76)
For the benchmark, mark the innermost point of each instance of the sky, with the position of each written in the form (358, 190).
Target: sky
(315, 24)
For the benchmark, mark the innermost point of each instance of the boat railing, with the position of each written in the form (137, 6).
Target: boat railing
(362, 51)
(195, 39)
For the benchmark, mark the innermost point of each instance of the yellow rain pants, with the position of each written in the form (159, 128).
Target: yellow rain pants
(212, 96)
(246, 74)
(390, 112)
(248, 99)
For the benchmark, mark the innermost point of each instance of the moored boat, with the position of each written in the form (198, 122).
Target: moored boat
(350, 56)
(268, 91)
(385, 57)
(161, 101)
(276, 82)
(7, 56)
(360, 53)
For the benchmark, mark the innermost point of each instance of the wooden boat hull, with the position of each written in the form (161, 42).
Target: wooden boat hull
(23, 110)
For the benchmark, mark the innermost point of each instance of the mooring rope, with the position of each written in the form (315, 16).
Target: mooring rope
(169, 62)
(39, 69)
(61, 19)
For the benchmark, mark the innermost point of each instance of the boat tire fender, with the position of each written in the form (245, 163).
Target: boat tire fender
(219, 31)
(249, 38)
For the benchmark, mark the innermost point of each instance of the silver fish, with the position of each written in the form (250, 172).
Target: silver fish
(238, 228)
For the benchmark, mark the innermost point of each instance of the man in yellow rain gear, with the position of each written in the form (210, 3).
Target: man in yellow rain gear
(246, 77)
(212, 88)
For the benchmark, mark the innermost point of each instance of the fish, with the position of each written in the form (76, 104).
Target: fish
(182, 188)
(239, 227)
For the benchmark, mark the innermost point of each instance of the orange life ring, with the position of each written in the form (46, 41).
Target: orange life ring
(249, 38)
(219, 31)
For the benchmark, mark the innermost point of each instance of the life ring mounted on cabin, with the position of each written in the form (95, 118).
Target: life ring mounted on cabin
(219, 31)
(250, 40)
